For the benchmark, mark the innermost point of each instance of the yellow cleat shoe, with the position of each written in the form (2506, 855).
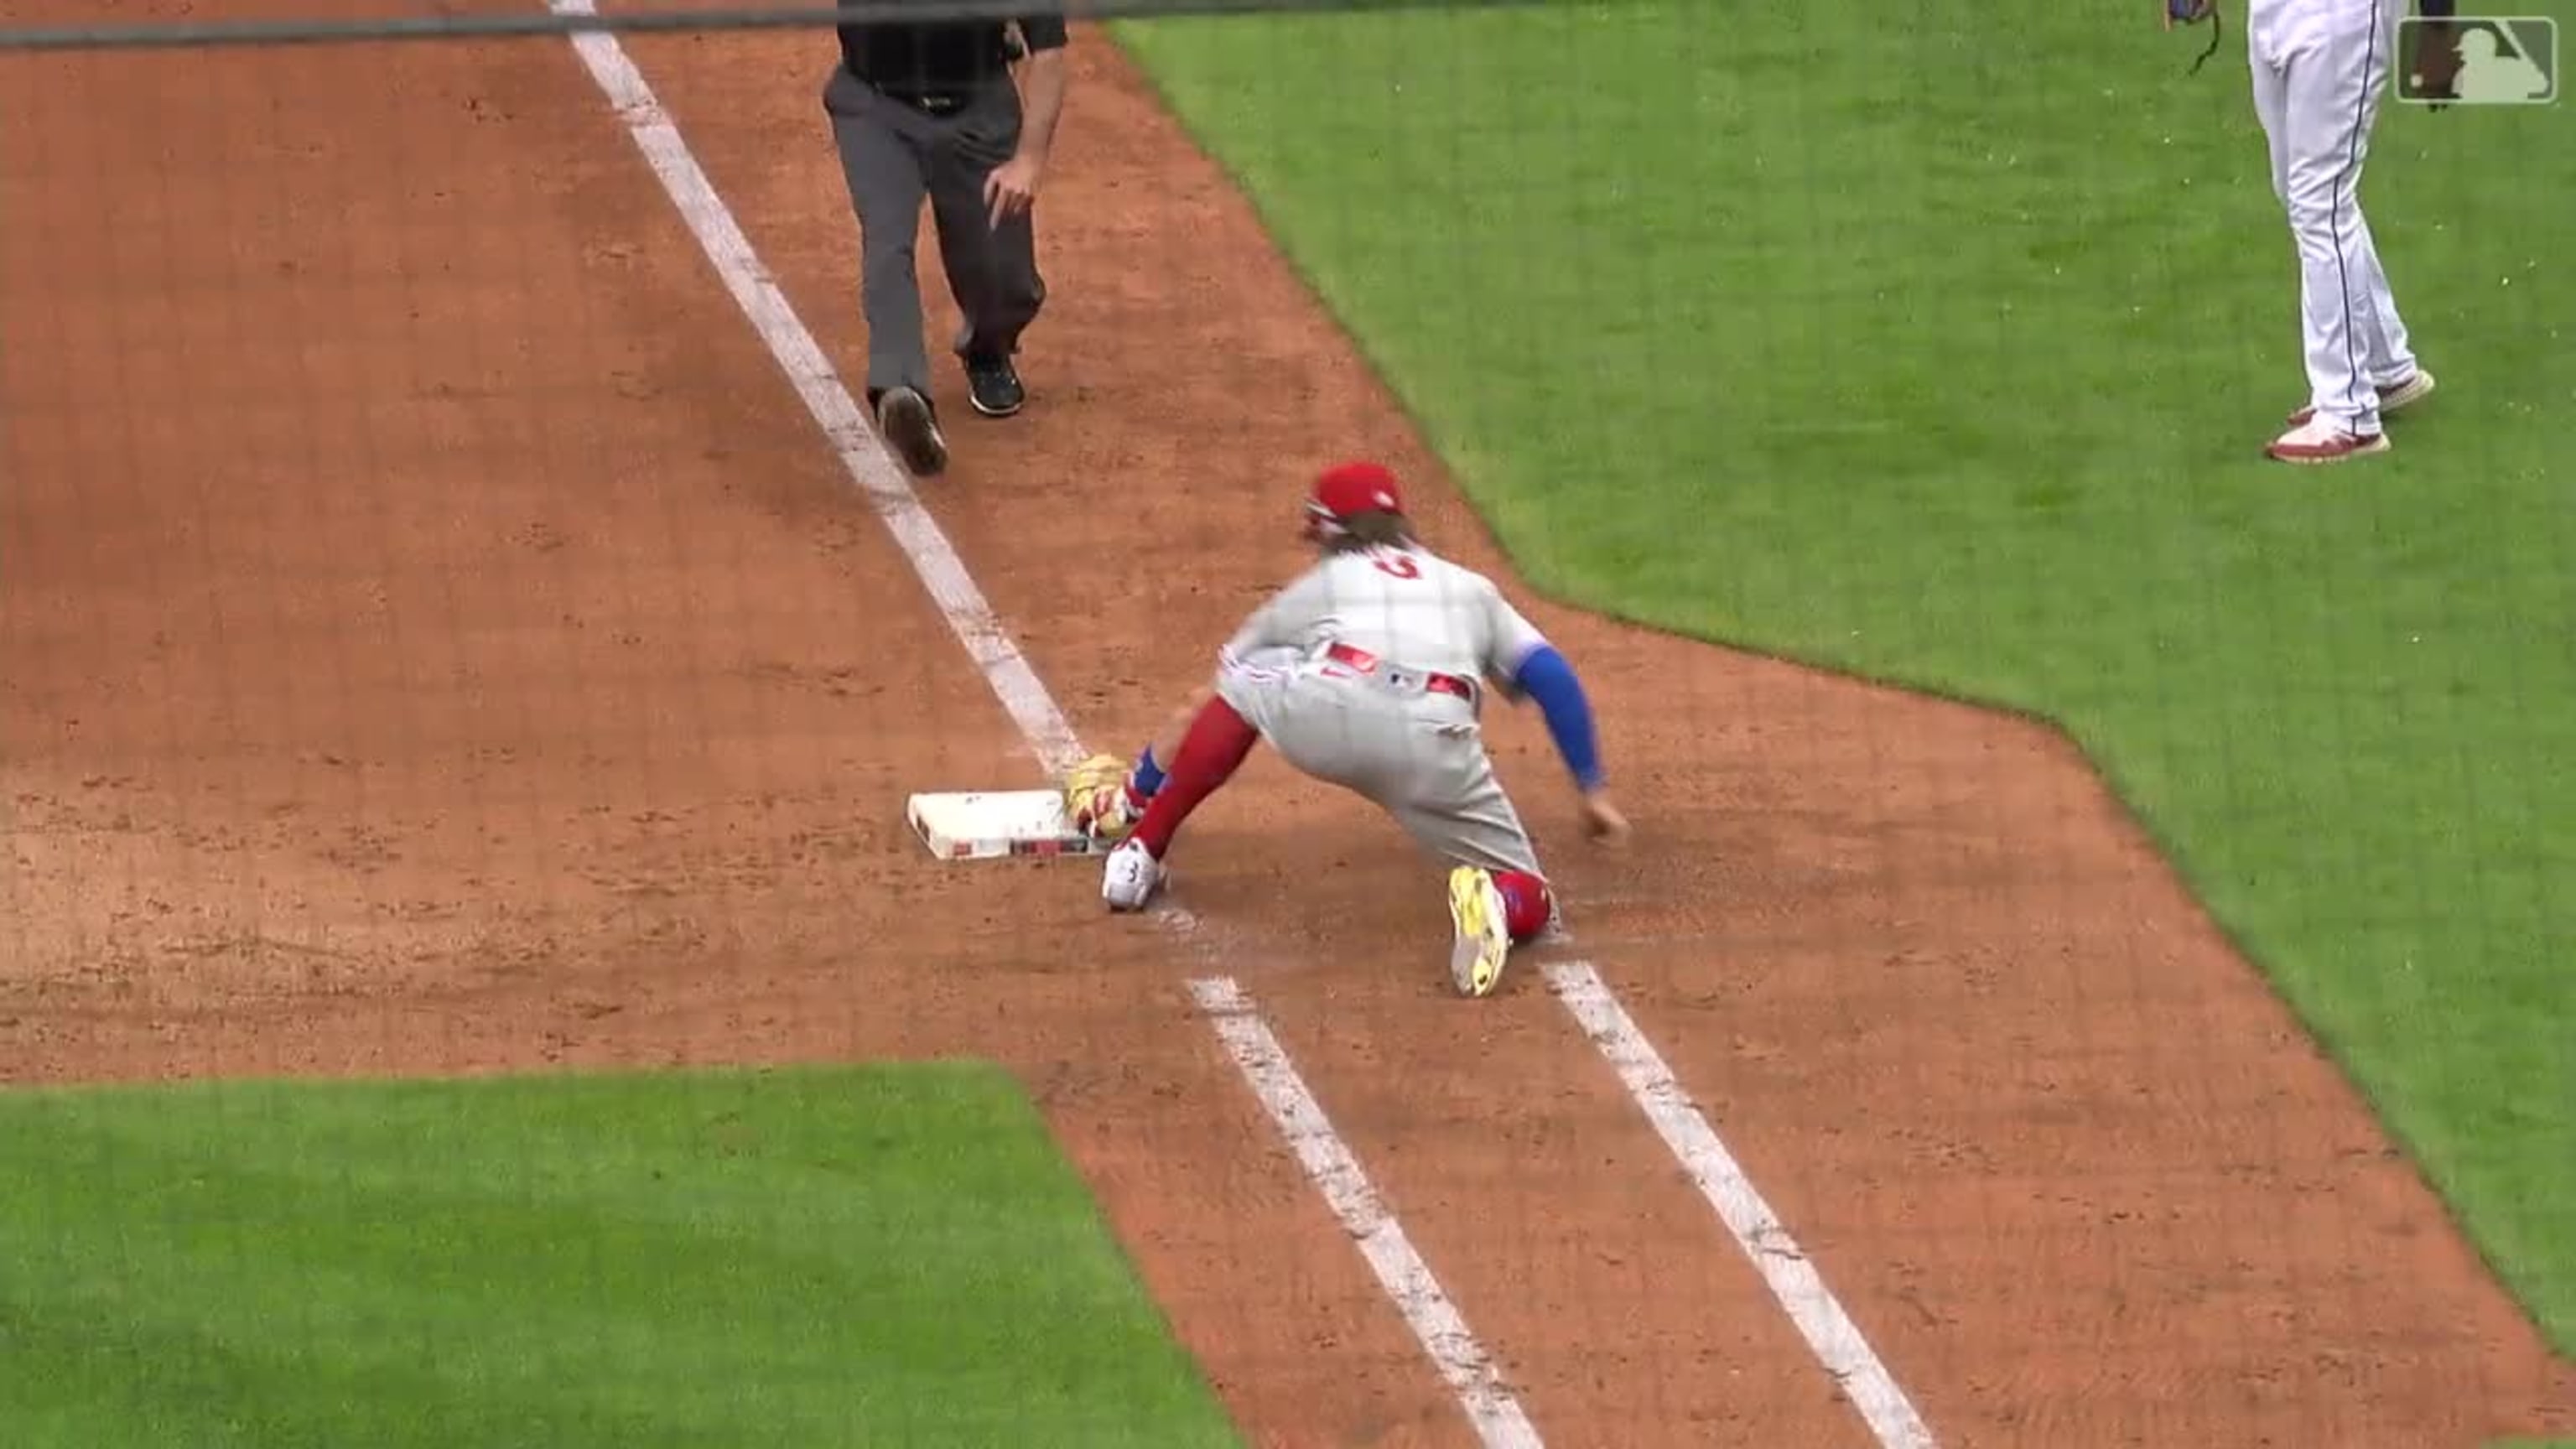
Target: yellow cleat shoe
(1484, 936)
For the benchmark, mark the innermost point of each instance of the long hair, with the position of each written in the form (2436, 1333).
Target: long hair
(1372, 528)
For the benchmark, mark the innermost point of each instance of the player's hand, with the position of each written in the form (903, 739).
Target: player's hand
(1096, 801)
(1011, 188)
(1602, 821)
(2437, 63)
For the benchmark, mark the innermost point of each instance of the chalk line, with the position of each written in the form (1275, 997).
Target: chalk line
(1436, 1322)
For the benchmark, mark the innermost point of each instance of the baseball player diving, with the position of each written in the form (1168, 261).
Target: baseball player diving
(2320, 69)
(1369, 671)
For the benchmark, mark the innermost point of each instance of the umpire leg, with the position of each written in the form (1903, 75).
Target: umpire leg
(992, 270)
(884, 148)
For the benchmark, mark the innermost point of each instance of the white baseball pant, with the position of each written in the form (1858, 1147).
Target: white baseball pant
(2320, 70)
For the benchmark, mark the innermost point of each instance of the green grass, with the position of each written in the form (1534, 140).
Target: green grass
(798, 1258)
(1938, 346)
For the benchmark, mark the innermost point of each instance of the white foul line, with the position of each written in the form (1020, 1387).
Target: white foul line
(1793, 1279)
(1490, 1406)
(838, 414)
(1401, 1271)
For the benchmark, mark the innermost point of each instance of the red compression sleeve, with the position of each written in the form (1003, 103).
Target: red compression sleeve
(1525, 903)
(1210, 752)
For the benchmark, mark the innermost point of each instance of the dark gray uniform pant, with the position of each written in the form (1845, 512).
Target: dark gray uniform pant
(893, 154)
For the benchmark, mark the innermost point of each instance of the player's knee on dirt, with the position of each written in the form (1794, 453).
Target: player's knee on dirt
(1526, 903)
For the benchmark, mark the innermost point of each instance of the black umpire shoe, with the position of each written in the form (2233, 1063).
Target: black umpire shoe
(905, 418)
(994, 386)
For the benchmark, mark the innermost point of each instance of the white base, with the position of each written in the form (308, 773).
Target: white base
(997, 824)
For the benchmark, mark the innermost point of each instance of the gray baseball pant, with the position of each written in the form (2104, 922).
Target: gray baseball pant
(1419, 755)
(893, 155)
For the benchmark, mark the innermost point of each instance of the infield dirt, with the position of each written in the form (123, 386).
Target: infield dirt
(438, 641)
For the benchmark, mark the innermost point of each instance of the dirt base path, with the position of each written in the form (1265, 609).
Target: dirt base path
(437, 640)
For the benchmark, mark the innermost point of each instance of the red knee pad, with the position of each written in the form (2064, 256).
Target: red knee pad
(1526, 903)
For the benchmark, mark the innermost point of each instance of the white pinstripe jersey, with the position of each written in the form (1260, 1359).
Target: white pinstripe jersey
(1407, 606)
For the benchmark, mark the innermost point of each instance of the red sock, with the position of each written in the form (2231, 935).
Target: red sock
(1525, 903)
(1211, 750)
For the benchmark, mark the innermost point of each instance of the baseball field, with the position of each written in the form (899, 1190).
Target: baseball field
(2093, 969)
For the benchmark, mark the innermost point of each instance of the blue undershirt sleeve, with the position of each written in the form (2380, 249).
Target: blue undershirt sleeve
(1547, 677)
(1148, 772)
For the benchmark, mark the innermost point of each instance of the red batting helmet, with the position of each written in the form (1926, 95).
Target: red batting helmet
(1347, 489)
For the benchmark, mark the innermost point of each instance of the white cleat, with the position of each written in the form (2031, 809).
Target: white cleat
(1484, 935)
(1131, 877)
(2319, 440)
(2395, 398)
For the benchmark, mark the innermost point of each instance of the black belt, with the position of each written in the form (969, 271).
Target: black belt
(932, 103)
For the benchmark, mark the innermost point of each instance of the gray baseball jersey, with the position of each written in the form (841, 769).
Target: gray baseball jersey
(1369, 670)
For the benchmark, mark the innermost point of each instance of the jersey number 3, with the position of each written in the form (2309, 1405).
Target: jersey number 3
(1399, 566)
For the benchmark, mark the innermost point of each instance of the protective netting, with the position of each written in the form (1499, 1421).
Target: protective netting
(458, 617)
